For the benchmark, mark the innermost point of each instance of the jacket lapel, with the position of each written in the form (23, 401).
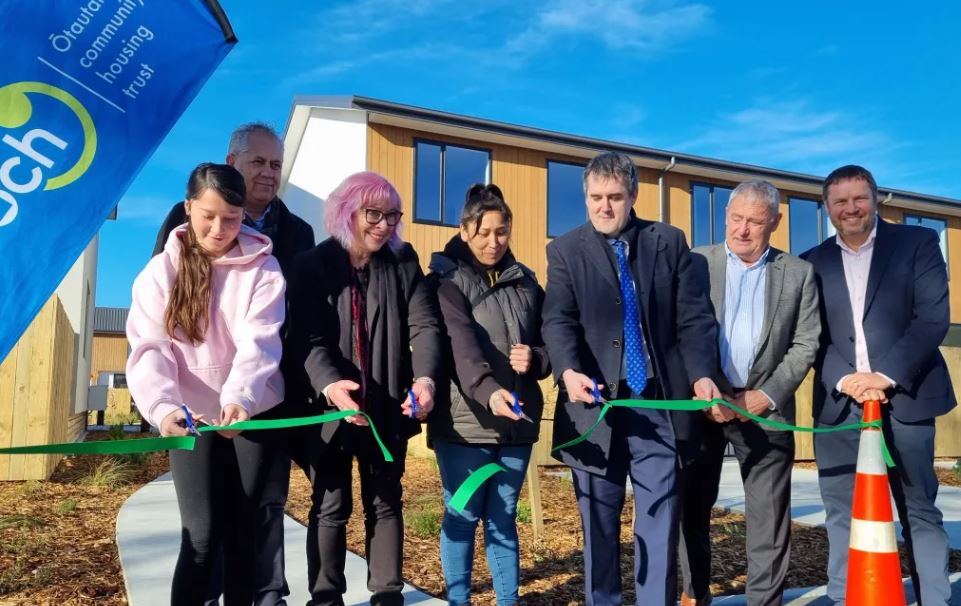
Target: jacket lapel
(717, 268)
(648, 242)
(879, 263)
(594, 250)
(772, 295)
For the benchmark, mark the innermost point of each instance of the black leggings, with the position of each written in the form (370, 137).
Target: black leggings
(331, 473)
(219, 486)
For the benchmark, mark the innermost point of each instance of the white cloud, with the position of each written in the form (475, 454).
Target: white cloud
(635, 25)
(791, 135)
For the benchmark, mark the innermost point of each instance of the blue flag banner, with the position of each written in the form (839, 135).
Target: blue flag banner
(88, 89)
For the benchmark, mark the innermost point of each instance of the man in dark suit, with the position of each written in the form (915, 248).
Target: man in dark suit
(884, 300)
(622, 308)
(257, 152)
(766, 304)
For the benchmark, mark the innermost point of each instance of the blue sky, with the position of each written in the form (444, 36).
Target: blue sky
(803, 87)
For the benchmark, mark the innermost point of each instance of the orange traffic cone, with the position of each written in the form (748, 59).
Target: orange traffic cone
(874, 569)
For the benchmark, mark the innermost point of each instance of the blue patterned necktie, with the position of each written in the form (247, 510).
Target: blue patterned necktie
(633, 340)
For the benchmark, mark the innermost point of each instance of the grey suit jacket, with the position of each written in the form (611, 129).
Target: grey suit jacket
(792, 323)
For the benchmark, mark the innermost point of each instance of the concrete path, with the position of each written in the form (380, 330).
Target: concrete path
(807, 508)
(148, 538)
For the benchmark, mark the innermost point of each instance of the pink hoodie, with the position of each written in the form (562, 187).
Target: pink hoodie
(239, 359)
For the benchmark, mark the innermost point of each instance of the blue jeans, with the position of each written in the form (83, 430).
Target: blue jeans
(495, 503)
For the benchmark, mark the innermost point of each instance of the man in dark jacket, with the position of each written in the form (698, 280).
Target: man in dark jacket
(884, 304)
(623, 308)
(258, 153)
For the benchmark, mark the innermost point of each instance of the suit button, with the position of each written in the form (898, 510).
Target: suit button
(617, 301)
(617, 343)
(851, 339)
(612, 387)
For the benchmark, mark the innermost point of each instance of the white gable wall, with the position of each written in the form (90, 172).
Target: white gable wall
(323, 146)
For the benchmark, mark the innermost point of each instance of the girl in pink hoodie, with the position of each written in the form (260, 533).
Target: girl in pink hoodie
(204, 331)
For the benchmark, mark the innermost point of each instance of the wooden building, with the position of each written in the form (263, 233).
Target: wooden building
(432, 157)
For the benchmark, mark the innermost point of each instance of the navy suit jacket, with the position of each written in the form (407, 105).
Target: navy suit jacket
(906, 316)
(583, 330)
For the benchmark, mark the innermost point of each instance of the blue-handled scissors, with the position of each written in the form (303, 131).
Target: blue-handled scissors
(596, 392)
(413, 403)
(188, 419)
(516, 407)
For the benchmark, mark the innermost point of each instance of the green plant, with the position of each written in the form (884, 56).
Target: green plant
(425, 523)
(30, 488)
(523, 512)
(115, 432)
(67, 505)
(8, 578)
(20, 520)
(957, 469)
(110, 473)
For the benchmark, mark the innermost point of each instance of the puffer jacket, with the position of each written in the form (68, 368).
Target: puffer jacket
(485, 313)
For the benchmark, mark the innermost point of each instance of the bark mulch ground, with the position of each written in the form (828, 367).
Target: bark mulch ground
(551, 568)
(57, 538)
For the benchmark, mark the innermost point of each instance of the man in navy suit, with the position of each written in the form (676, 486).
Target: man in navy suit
(884, 302)
(624, 309)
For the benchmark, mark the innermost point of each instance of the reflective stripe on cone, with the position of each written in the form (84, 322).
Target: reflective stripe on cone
(874, 569)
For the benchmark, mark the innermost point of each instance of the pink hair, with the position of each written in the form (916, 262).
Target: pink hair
(355, 192)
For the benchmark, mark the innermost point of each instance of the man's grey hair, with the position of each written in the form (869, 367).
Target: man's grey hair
(240, 138)
(759, 191)
(613, 165)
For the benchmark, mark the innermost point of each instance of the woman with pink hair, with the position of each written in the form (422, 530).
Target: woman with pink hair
(367, 327)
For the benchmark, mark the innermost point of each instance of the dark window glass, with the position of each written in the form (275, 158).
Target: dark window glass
(708, 204)
(719, 211)
(809, 224)
(565, 198)
(701, 215)
(427, 201)
(442, 175)
(940, 226)
(462, 168)
(805, 222)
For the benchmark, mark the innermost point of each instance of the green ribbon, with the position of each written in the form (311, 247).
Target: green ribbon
(465, 491)
(696, 405)
(116, 447)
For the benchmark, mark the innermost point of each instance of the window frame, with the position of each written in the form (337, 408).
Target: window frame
(489, 169)
(946, 253)
(711, 222)
(547, 202)
(822, 220)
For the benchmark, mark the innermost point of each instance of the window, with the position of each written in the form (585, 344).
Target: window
(938, 225)
(707, 212)
(442, 174)
(809, 223)
(565, 197)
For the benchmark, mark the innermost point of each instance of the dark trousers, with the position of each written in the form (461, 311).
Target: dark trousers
(219, 486)
(766, 459)
(642, 449)
(914, 485)
(331, 504)
(270, 586)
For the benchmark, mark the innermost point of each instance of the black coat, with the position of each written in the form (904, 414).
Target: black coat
(289, 233)
(403, 323)
(583, 329)
(483, 320)
(906, 316)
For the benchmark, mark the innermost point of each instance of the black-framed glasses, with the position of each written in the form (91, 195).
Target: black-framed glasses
(374, 216)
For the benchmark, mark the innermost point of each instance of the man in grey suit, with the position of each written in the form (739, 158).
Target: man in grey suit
(766, 305)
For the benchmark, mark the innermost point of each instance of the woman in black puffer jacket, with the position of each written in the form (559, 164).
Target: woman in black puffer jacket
(492, 310)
